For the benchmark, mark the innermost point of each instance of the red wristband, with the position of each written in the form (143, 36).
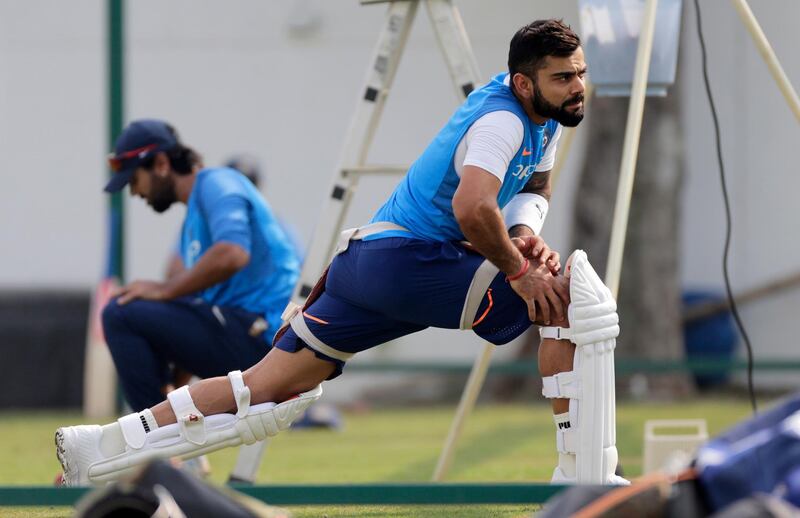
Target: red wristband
(521, 272)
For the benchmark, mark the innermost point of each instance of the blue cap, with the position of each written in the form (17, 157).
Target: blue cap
(137, 141)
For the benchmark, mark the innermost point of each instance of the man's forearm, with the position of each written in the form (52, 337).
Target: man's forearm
(174, 267)
(218, 264)
(520, 231)
(485, 230)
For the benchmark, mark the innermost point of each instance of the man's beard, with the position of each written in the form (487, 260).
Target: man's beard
(558, 113)
(162, 193)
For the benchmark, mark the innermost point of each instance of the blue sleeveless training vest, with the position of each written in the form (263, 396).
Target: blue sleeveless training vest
(423, 202)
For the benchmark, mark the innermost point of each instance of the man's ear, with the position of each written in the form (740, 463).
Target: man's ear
(522, 84)
(161, 164)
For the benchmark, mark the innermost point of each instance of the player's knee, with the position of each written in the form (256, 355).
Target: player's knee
(114, 319)
(281, 374)
(273, 388)
(559, 322)
(555, 357)
(112, 315)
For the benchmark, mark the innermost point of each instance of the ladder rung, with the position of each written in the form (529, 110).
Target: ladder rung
(375, 169)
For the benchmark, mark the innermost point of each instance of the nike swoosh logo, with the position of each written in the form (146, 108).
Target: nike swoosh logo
(526, 152)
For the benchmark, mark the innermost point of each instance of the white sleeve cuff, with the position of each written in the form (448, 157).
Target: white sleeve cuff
(527, 209)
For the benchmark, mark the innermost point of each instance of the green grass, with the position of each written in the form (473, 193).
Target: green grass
(501, 443)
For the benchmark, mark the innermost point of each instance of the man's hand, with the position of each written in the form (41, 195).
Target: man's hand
(539, 286)
(479, 217)
(535, 249)
(148, 290)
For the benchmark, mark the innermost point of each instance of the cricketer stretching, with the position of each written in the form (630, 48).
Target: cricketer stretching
(484, 179)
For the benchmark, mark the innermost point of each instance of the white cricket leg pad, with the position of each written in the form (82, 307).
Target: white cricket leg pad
(594, 323)
(589, 386)
(565, 385)
(594, 414)
(185, 439)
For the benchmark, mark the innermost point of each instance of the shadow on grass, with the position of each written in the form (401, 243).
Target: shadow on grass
(489, 445)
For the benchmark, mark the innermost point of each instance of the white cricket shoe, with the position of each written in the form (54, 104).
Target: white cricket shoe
(77, 448)
(616, 480)
(560, 478)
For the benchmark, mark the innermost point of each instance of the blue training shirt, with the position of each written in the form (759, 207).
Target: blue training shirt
(423, 202)
(225, 206)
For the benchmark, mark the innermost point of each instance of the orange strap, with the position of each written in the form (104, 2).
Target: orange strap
(486, 311)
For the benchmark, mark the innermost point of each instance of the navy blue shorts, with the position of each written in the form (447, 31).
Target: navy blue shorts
(382, 289)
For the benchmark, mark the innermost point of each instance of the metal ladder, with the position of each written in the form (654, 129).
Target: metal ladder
(455, 46)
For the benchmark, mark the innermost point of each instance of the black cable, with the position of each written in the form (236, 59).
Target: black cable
(728, 223)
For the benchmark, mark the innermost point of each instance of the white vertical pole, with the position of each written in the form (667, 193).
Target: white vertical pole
(247, 463)
(471, 391)
(760, 39)
(630, 148)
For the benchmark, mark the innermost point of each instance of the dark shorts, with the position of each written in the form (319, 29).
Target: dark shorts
(146, 336)
(383, 289)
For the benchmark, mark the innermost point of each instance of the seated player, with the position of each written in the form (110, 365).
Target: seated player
(220, 311)
(484, 175)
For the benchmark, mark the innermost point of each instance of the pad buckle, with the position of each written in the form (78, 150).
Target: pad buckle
(291, 310)
(193, 428)
(344, 240)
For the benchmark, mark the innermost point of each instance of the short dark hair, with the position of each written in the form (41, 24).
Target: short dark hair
(537, 40)
(182, 158)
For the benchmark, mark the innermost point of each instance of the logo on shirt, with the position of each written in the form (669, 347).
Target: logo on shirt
(526, 152)
(524, 171)
(193, 252)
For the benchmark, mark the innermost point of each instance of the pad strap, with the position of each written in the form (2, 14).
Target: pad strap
(300, 328)
(481, 281)
(557, 333)
(189, 417)
(240, 393)
(132, 430)
(354, 234)
(565, 385)
(567, 440)
(292, 308)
